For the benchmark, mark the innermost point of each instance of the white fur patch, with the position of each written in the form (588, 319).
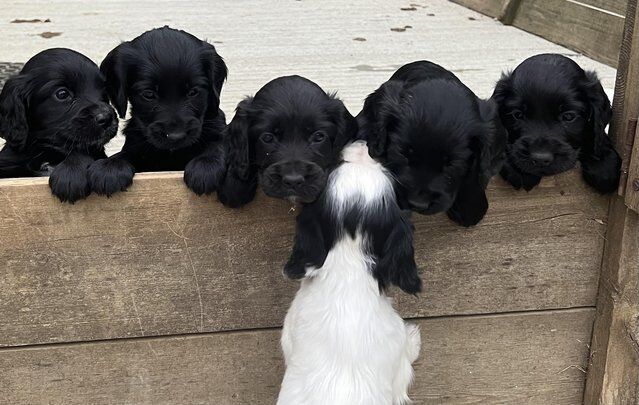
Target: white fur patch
(360, 180)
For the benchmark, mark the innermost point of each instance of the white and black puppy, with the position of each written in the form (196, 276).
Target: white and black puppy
(343, 342)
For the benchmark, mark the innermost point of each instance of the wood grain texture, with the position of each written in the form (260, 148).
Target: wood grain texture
(613, 373)
(613, 6)
(595, 33)
(531, 358)
(159, 260)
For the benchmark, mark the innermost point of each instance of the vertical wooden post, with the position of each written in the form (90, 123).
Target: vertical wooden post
(613, 372)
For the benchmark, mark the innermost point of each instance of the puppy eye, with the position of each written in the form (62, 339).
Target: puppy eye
(193, 92)
(62, 94)
(517, 114)
(148, 94)
(267, 137)
(318, 137)
(568, 116)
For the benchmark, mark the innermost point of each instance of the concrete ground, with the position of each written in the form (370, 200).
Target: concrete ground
(348, 46)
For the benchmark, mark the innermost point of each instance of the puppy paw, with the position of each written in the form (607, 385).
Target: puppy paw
(519, 179)
(235, 193)
(69, 182)
(294, 269)
(602, 174)
(203, 175)
(108, 176)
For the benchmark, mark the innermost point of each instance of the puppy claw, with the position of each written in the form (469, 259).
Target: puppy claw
(203, 175)
(109, 176)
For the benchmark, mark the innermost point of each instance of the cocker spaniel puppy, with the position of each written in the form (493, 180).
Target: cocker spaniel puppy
(441, 142)
(56, 118)
(556, 115)
(286, 138)
(173, 81)
(343, 342)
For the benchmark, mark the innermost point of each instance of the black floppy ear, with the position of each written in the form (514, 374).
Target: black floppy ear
(14, 99)
(380, 116)
(396, 262)
(114, 68)
(237, 142)
(240, 183)
(309, 248)
(600, 162)
(344, 121)
(490, 146)
(502, 89)
(216, 73)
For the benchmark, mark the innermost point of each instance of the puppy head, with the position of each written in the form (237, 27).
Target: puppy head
(289, 135)
(173, 81)
(432, 137)
(553, 111)
(59, 101)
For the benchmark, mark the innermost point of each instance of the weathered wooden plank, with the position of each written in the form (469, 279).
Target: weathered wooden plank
(612, 6)
(613, 374)
(585, 29)
(159, 260)
(530, 358)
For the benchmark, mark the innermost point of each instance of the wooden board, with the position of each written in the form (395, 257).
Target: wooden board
(159, 260)
(611, 6)
(613, 374)
(531, 358)
(595, 33)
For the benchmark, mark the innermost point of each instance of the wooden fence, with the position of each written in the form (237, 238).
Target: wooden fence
(592, 27)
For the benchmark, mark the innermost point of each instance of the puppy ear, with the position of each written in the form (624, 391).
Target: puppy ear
(490, 146)
(309, 249)
(396, 262)
(216, 72)
(114, 67)
(502, 88)
(380, 116)
(13, 111)
(345, 122)
(238, 142)
(600, 162)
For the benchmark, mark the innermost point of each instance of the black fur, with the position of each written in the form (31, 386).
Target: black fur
(388, 231)
(173, 81)
(441, 142)
(556, 114)
(56, 119)
(286, 138)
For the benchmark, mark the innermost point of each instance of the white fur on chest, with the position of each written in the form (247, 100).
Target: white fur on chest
(343, 342)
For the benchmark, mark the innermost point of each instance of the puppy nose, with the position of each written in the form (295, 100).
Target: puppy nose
(293, 180)
(543, 158)
(176, 136)
(103, 119)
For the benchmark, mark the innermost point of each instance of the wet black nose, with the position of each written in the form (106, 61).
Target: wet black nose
(543, 158)
(293, 180)
(103, 119)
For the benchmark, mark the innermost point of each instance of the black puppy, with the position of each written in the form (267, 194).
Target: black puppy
(441, 142)
(173, 82)
(288, 136)
(556, 114)
(56, 119)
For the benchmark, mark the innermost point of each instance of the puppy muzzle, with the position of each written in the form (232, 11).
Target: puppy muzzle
(542, 156)
(175, 134)
(295, 180)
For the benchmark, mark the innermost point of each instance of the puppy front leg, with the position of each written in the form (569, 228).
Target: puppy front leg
(111, 175)
(204, 173)
(517, 178)
(69, 180)
(235, 192)
(471, 203)
(309, 251)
